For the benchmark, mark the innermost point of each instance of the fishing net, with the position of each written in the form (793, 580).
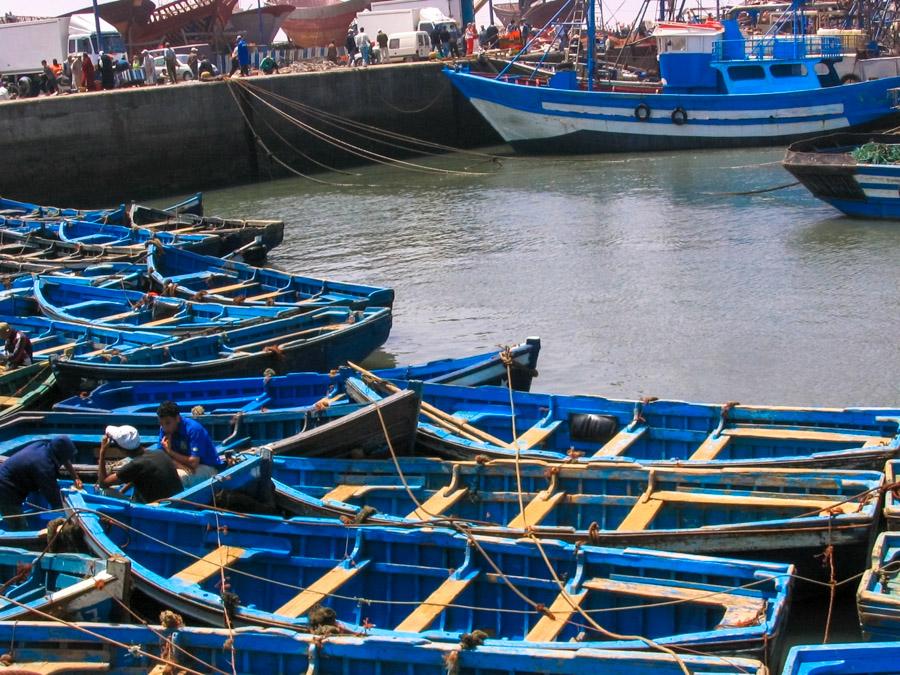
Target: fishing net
(877, 153)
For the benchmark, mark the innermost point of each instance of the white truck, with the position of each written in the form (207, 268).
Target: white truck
(24, 44)
(399, 20)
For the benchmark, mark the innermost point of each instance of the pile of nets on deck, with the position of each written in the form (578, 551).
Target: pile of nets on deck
(877, 153)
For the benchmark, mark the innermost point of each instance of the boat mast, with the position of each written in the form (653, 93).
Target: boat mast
(591, 45)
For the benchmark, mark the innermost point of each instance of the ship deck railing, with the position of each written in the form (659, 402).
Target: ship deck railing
(777, 48)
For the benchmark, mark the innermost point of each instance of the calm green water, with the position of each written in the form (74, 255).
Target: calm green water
(636, 277)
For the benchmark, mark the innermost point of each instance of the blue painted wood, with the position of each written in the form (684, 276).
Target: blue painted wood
(843, 659)
(878, 595)
(191, 274)
(78, 301)
(298, 390)
(664, 431)
(314, 341)
(891, 497)
(251, 651)
(400, 568)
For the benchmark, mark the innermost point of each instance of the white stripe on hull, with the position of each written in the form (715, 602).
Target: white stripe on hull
(705, 115)
(518, 125)
(890, 193)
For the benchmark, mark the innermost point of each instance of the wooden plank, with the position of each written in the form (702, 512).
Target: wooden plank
(536, 435)
(54, 667)
(57, 348)
(115, 317)
(848, 438)
(801, 501)
(423, 615)
(619, 443)
(161, 322)
(233, 287)
(317, 591)
(437, 504)
(710, 448)
(264, 296)
(641, 514)
(740, 610)
(562, 609)
(281, 339)
(342, 493)
(536, 510)
(210, 564)
(10, 400)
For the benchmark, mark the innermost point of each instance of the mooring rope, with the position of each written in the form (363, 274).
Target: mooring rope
(753, 192)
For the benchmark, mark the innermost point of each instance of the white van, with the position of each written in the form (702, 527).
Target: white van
(409, 46)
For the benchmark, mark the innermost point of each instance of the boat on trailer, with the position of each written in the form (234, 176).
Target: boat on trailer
(462, 423)
(719, 89)
(303, 390)
(436, 583)
(828, 167)
(122, 649)
(784, 515)
(878, 594)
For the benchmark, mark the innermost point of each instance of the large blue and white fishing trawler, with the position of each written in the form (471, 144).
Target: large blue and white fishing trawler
(718, 88)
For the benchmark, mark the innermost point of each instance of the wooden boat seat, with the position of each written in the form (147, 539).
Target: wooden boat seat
(536, 510)
(342, 493)
(57, 348)
(537, 434)
(740, 610)
(161, 322)
(10, 400)
(620, 443)
(202, 569)
(320, 589)
(848, 438)
(445, 594)
(563, 607)
(115, 317)
(264, 296)
(232, 287)
(281, 339)
(53, 667)
(438, 503)
(710, 447)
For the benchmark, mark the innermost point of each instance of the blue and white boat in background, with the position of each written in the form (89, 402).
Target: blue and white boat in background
(828, 167)
(718, 89)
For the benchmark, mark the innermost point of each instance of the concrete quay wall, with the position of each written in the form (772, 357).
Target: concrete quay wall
(103, 148)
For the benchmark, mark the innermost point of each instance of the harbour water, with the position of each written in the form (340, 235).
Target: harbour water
(639, 275)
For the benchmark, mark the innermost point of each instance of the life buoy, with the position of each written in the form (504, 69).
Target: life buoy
(642, 112)
(679, 116)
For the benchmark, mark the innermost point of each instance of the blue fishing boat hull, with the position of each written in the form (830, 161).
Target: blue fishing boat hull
(878, 658)
(878, 596)
(300, 390)
(827, 169)
(125, 650)
(562, 121)
(382, 576)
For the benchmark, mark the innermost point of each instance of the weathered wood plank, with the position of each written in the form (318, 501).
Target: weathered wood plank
(710, 448)
(536, 510)
(317, 591)
(438, 503)
(210, 564)
(562, 609)
(423, 615)
(800, 501)
(641, 515)
(805, 435)
(536, 435)
(620, 443)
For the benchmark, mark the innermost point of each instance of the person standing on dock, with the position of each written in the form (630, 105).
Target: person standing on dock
(152, 474)
(149, 68)
(17, 345)
(350, 44)
(171, 63)
(194, 62)
(75, 70)
(34, 469)
(331, 54)
(382, 39)
(243, 56)
(188, 444)
(107, 72)
(364, 46)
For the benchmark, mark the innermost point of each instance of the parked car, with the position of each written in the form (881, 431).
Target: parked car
(182, 72)
(409, 46)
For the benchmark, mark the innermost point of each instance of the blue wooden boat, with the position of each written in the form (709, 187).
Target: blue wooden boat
(25, 387)
(317, 340)
(121, 649)
(78, 301)
(718, 89)
(86, 232)
(843, 659)
(785, 515)
(333, 431)
(461, 423)
(299, 390)
(12, 207)
(70, 586)
(878, 595)
(827, 168)
(436, 583)
(194, 276)
(892, 496)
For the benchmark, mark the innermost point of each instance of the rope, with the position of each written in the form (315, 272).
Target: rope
(753, 192)
(224, 589)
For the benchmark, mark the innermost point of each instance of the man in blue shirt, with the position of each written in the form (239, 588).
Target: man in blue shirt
(34, 469)
(243, 56)
(188, 443)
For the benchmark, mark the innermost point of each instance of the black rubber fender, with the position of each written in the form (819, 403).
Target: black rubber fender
(592, 427)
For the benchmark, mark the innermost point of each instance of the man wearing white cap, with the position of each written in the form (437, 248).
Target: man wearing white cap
(152, 474)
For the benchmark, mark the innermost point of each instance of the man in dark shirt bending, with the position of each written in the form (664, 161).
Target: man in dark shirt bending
(152, 473)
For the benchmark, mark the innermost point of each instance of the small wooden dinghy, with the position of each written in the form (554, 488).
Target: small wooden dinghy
(194, 276)
(892, 495)
(879, 658)
(119, 649)
(787, 515)
(461, 423)
(878, 595)
(77, 301)
(301, 390)
(67, 585)
(25, 387)
(314, 341)
(436, 583)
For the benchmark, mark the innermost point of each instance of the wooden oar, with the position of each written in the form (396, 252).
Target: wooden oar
(437, 415)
